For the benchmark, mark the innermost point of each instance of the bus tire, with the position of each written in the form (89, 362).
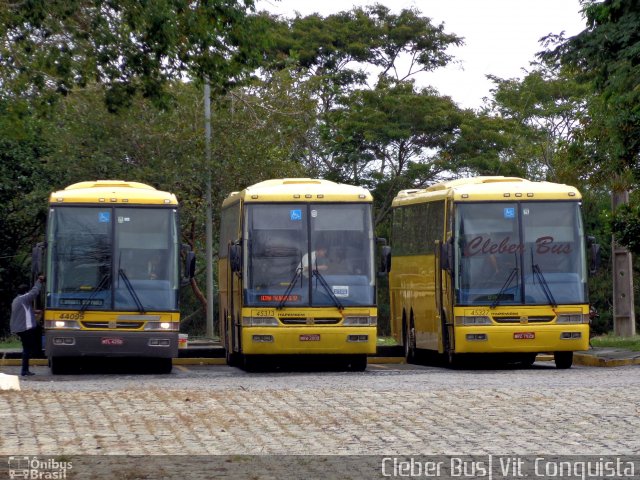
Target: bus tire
(357, 363)
(528, 359)
(410, 342)
(563, 360)
(454, 360)
(163, 365)
(249, 363)
(58, 365)
(232, 358)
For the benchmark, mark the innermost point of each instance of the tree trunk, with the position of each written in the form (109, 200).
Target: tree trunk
(624, 319)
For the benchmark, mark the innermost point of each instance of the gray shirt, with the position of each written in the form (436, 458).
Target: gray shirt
(22, 317)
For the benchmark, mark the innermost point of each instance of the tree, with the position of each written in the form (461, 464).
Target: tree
(389, 138)
(606, 55)
(547, 110)
(339, 55)
(23, 191)
(51, 47)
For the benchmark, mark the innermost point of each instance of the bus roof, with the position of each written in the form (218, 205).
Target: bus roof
(496, 188)
(299, 190)
(112, 192)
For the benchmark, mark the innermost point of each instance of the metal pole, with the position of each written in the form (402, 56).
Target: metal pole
(209, 209)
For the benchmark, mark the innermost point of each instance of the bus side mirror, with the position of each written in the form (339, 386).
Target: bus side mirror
(37, 255)
(595, 257)
(189, 264)
(235, 257)
(385, 260)
(446, 255)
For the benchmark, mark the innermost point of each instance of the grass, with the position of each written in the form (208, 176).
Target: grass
(628, 343)
(10, 342)
(387, 341)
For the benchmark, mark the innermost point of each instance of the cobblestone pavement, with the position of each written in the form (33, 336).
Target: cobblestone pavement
(387, 410)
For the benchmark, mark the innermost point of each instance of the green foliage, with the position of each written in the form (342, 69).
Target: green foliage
(389, 138)
(51, 47)
(23, 191)
(625, 225)
(611, 341)
(385, 136)
(371, 35)
(605, 54)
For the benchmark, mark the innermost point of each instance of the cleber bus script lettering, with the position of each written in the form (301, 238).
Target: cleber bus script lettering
(544, 245)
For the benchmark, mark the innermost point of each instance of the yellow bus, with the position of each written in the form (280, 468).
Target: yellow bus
(112, 273)
(489, 265)
(296, 272)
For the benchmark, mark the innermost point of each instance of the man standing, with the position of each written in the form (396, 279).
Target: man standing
(23, 322)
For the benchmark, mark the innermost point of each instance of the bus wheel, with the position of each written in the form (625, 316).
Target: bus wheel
(410, 343)
(454, 360)
(232, 358)
(249, 363)
(528, 359)
(58, 365)
(163, 365)
(357, 363)
(563, 359)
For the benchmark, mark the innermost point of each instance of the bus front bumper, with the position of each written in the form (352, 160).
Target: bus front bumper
(306, 340)
(77, 343)
(521, 338)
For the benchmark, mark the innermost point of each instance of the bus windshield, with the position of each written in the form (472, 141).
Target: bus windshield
(110, 258)
(520, 253)
(309, 255)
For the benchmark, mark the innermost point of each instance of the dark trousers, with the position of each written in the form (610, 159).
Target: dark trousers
(31, 345)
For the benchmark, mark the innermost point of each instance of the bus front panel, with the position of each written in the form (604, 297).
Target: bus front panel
(112, 281)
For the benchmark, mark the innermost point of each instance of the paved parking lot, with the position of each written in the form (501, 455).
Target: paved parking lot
(387, 410)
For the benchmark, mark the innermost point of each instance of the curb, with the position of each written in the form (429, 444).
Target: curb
(587, 360)
(42, 362)
(583, 359)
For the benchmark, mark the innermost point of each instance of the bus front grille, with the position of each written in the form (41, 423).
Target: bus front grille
(311, 321)
(532, 319)
(101, 325)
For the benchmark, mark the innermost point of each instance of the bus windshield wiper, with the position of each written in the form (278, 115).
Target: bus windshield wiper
(285, 297)
(537, 273)
(102, 283)
(544, 285)
(513, 274)
(132, 291)
(326, 286)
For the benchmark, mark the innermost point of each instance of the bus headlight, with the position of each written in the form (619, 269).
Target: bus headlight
(62, 324)
(473, 320)
(162, 326)
(360, 321)
(572, 318)
(259, 322)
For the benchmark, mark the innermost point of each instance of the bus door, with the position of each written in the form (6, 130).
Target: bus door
(444, 253)
(442, 283)
(233, 319)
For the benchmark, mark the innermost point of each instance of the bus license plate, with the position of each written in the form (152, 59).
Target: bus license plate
(524, 335)
(314, 337)
(112, 341)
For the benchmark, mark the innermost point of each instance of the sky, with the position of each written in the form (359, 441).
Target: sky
(501, 36)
